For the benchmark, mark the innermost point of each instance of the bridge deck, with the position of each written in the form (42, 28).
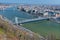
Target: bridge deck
(31, 20)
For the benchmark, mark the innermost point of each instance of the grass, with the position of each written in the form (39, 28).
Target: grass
(1, 31)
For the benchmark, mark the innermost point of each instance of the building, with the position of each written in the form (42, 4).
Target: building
(49, 14)
(57, 15)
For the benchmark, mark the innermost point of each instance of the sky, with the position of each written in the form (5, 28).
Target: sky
(55, 2)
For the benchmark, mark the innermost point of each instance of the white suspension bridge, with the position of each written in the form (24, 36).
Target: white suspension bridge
(29, 20)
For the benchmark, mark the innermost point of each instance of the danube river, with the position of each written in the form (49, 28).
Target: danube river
(12, 12)
(43, 28)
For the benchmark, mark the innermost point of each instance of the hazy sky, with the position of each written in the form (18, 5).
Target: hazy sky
(32, 1)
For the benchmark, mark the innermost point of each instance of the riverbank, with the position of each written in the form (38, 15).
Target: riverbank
(4, 6)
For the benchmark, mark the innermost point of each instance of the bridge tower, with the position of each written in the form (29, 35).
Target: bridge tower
(16, 20)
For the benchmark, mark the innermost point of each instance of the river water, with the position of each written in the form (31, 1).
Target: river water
(12, 12)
